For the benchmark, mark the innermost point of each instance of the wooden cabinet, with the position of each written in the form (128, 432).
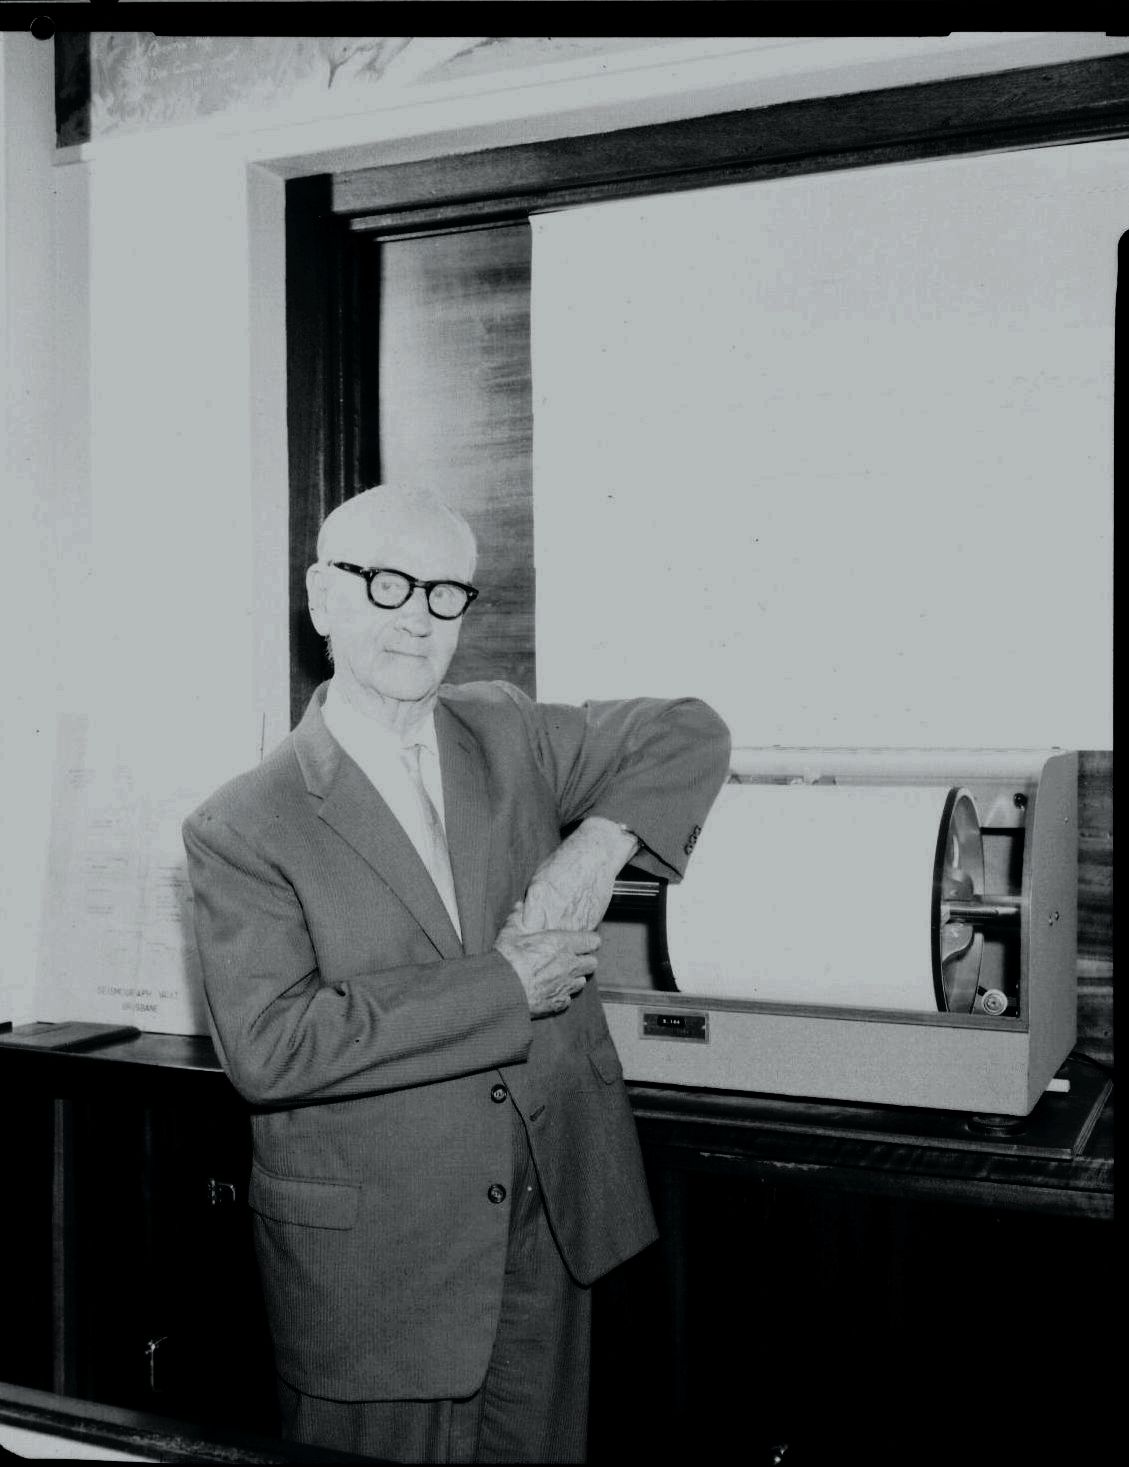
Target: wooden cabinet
(140, 1288)
(875, 1299)
(858, 1301)
(164, 1298)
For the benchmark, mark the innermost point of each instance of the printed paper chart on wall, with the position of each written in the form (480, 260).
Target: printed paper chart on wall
(117, 943)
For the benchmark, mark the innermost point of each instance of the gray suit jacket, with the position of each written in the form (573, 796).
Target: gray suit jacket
(372, 1044)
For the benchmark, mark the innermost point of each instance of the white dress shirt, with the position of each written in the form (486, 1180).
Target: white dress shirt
(378, 751)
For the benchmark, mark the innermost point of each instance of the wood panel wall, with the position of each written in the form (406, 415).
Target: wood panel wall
(330, 413)
(456, 416)
(1095, 905)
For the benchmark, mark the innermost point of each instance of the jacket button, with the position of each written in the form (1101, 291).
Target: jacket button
(498, 1093)
(496, 1192)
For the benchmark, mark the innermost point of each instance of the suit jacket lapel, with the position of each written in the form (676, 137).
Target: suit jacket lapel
(354, 809)
(467, 816)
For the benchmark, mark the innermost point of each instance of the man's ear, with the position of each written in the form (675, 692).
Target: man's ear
(316, 589)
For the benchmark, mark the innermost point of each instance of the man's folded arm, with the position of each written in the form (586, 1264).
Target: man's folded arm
(284, 1036)
(651, 765)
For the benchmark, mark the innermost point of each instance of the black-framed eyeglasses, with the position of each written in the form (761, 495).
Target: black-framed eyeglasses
(389, 589)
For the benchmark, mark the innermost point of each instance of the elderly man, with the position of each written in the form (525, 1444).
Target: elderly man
(396, 947)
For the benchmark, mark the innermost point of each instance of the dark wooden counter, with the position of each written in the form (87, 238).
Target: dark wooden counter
(852, 1252)
(1059, 1160)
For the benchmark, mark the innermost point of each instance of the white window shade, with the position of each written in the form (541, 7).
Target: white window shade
(835, 452)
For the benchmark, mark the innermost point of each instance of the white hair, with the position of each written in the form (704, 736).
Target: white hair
(392, 505)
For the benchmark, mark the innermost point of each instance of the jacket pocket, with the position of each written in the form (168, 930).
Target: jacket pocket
(605, 1059)
(296, 1200)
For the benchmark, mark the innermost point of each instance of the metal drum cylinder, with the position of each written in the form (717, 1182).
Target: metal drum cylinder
(958, 875)
(833, 895)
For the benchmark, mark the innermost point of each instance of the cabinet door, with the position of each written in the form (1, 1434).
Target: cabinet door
(165, 1313)
(26, 1123)
(849, 1327)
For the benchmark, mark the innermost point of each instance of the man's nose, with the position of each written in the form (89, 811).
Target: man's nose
(414, 612)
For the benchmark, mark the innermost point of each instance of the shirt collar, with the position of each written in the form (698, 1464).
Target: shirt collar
(353, 729)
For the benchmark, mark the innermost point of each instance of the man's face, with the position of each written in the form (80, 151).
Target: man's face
(402, 654)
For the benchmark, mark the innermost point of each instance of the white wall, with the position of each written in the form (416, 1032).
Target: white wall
(166, 508)
(835, 452)
(178, 662)
(171, 457)
(28, 428)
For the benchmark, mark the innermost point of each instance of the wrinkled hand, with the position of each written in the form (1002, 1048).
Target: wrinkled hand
(553, 966)
(571, 888)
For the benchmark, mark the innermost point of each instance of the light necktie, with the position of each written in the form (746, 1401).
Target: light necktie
(436, 857)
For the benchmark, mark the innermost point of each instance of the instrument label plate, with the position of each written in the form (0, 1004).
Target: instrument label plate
(676, 1024)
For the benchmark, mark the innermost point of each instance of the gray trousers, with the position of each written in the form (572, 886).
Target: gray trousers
(533, 1404)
